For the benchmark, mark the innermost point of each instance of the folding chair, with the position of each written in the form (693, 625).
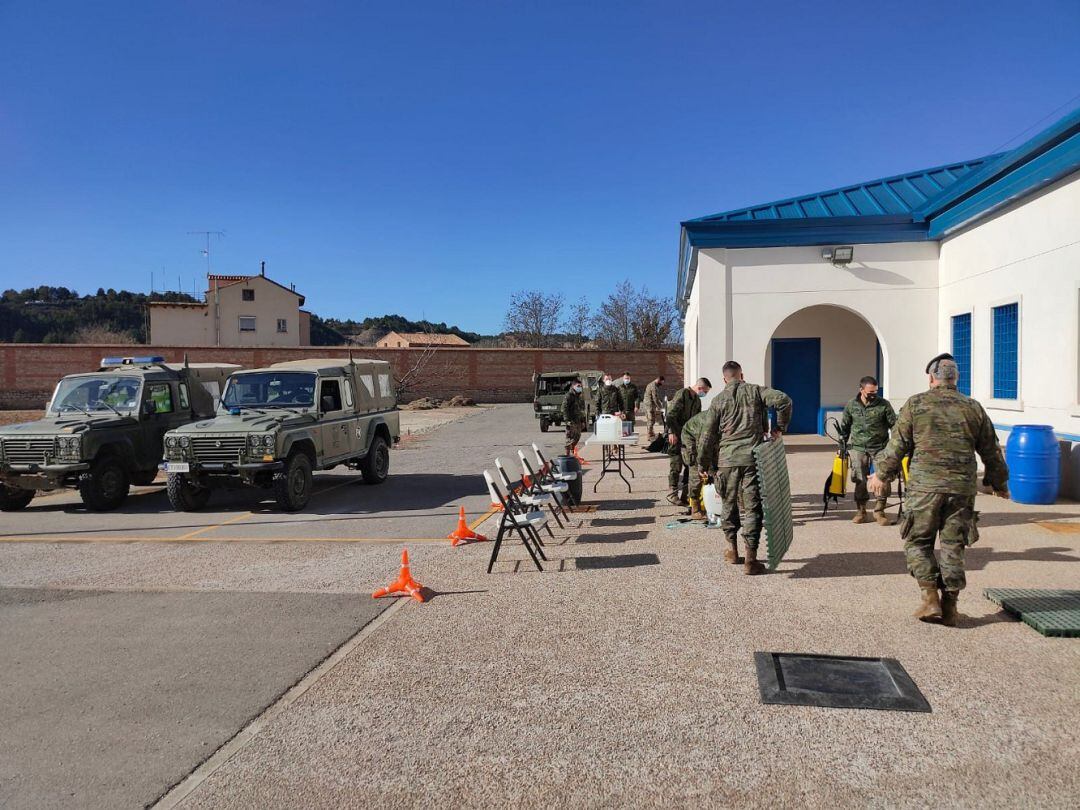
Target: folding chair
(549, 472)
(529, 496)
(545, 485)
(516, 517)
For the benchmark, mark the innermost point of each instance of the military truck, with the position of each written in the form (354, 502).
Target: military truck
(277, 425)
(550, 387)
(103, 431)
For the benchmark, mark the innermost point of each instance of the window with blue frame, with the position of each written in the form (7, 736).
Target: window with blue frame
(1006, 331)
(961, 350)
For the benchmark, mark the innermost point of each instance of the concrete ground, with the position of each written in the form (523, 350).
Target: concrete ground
(623, 674)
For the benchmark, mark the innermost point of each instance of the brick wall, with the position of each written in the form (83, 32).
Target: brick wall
(29, 372)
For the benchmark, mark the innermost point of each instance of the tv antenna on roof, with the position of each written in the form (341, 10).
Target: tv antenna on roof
(206, 250)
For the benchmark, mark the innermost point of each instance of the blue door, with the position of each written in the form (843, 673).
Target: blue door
(796, 370)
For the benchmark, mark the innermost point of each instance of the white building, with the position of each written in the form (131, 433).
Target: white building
(237, 311)
(980, 258)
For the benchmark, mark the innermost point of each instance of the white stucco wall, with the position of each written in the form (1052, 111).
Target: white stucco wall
(1028, 253)
(181, 326)
(746, 294)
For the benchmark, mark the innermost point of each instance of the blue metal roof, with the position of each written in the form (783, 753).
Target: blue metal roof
(900, 194)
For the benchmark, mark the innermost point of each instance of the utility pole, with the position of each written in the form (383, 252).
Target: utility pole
(206, 250)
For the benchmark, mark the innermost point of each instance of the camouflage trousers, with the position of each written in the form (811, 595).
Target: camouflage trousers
(689, 460)
(573, 436)
(740, 497)
(675, 468)
(928, 515)
(860, 471)
(656, 417)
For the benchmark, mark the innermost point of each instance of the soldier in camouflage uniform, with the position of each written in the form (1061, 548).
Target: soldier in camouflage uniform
(573, 414)
(865, 428)
(608, 400)
(685, 405)
(738, 420)
(652, 402)
(690, 439)
(941, 430)
(628, 398)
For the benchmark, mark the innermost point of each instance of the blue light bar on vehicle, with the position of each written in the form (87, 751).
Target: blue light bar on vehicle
(132, 361)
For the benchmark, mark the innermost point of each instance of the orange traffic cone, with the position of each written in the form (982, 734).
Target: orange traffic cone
(526, 481)
(404, 584)
(463, 532)
(579, 457)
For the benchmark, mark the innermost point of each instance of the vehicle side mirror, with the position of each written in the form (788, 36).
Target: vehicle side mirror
(148, 409)
(327, 403)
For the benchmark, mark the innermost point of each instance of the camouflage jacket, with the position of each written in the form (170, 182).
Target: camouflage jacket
(866, 427)
(738, 421)
(654, 397)
(685, 405)
(629, 397)
(942, 430)
(573, 408)
(608, 399)
(691, 437)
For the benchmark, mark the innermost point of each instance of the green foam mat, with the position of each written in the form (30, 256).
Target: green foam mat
(772, 468)
(1051, 612)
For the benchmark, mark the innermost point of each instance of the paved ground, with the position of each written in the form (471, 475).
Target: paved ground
(623, 674)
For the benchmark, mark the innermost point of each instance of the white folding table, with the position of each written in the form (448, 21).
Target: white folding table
(613, 454)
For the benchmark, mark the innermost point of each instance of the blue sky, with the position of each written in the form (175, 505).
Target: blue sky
(431, 158)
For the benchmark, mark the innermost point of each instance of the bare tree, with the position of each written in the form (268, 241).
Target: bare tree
(99, 333)
(578, 322)
(612, 322)
(534, 316)
(654, 321)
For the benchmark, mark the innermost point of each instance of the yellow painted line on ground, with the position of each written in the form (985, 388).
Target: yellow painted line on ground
(197, 532)
(483, 517)
(185, 539)
(1060, 528)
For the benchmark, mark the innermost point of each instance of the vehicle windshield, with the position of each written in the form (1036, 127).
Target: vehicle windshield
(553, 385)
(270, 389)
(105, 393)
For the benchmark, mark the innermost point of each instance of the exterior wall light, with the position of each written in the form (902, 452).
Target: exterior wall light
(839, 256)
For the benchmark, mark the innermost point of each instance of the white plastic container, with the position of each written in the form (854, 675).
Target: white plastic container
(608, 427)
(712, 501)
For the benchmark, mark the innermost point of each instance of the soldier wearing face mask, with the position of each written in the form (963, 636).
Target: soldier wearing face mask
(683, 407)
(865, 427)
(608, 398)
(629, 398)
(573, 413)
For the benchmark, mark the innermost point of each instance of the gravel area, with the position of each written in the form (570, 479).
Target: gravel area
(623, 675)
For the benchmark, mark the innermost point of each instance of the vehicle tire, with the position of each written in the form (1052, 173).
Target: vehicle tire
(292, 487)
(106, 485)
(184, 495)
(13, 499)
(376, 464)
(544, 424)
(143, 478)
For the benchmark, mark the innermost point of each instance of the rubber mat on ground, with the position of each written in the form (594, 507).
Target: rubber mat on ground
(1051, 612)
(776, 499)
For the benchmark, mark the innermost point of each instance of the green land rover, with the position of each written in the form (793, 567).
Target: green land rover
(549, 389)
(103, 431)
(276, 425)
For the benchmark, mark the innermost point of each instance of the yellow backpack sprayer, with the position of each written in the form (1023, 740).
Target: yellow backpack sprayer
(836, 483)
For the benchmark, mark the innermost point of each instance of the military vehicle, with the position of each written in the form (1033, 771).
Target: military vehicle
(276, 425)
(550, 387)
(103, 431)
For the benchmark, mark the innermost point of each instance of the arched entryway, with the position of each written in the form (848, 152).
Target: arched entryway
(817, 356)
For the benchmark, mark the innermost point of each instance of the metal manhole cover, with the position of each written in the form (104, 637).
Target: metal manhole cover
(842, 682)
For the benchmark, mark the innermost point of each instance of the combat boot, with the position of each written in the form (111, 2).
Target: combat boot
(881, 518)
(930, 609)
(860, 513)
(697, 512)
(751, 566)
(948, 608)
(673, 498)
(731, 553)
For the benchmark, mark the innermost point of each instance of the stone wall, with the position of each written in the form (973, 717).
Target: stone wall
(29, 372)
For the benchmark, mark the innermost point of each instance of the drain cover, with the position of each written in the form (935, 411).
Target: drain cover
(800, 679)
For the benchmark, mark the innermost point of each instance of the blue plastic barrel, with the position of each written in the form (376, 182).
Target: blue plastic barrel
(1033, 456)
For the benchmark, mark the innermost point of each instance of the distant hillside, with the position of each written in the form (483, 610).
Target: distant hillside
(59, 315)
(331, 331)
